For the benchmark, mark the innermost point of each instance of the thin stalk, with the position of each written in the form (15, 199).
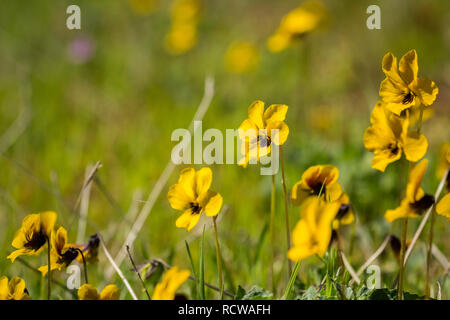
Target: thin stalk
(272, 231)
(402, 257)
(137, 272)
(286, 210)
(430, 247)
(84, 265)
(49, 278)
(419, 125)
(219, 258)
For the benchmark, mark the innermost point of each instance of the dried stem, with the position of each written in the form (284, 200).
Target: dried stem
(119, 272)
(137, 272)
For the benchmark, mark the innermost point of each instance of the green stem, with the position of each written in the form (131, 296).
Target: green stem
(49, 278)
(84, 265)
(430, 247)
(402, 258)
(286, 210)
(272, 231)
(219, 259)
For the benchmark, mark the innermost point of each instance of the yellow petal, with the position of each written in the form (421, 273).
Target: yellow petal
(415, 146)
(19, 252)
(110, 292)
(17, 286)
(187, 220)
(203, 179)
(178, 199)
(211, 201)
(383, 158)
(389, 67)
(427, 90)
(278, 132)
(402, 211)
(4, 288)
(275, 112)
(415, 179)
(48, 220)
(299, 193)
(443, 206)
(187, 181)
(408, 66)
(87, 292)
(255, 113)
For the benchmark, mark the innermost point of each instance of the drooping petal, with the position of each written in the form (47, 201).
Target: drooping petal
(383, 158)
(443, 206)
(19, 252)
(415, 179)
(415, 146)
(203, 179)
(427, 90)
(402, 211)
(187, 220)
(408, 66)
(275, 113)
(211, 202)
(278, 131)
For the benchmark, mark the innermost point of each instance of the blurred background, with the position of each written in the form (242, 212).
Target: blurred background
(116, 89)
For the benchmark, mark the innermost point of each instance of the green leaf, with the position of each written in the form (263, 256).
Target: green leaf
(391, 294)
(240, 293)
(288, 292)
(257, 293)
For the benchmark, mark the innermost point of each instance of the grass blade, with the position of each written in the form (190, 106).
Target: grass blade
(202, 268)
(288, 292)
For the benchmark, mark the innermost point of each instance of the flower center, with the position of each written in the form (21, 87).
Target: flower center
(36, 240)
(394, 148)
(408, 98)
(68, 256)
(423, 204)
(264, 141)
(195, 208)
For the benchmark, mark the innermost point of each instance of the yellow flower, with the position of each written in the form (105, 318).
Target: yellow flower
(319, 179)
(13, 290)
(171, 281)
(185, 11)
(89, 292)
(297, 23)
(345, 214)
(389, 135)
(261, 129)
(312, 234)
(181, 38)
(443, 206)
(241, 57)
(402, 89)
(62, 253)
(416, 201)
(192, 195)
(32, 236)
(144, 7)
(444, 160)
